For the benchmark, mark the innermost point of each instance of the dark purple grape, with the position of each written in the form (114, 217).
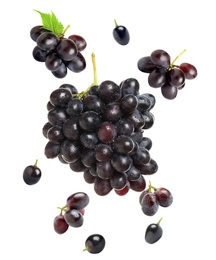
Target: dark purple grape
(129, 103)
(89, 121)
(149, 204)
(157, 78)
(112, 112)
(32, 174)
(60, 225)
(153, 233)
(74, 218)
(148, 168)
(93, 103)
(102, 187)
(121, 34)
(70, 150)
(67, 49)
(168, 91)
(152, 99)
(146, 65)
(139, 184)
(39, 55)
(176, 77)
(69, 87)
(130, 86)
(57, 116)
(137, 119)
(94, 244)
(124, 126)
(77, 200)
(146, 143)
(47, 41)
(36, 31)
(109, 91)
(141, 157)
(144, 103)
(88, 177)
(103, 152)
(74, 107)
(71, 128)
(53, 61)
(118, 180)
(133, 173)
(46, 128)
(79, 41)
(105, 170)
(55, 134)
(123, 144)
(77, 64)
(121, 162)
(60, 72)
(164, 196)
(52, 150)
(160, 58)
(60, 97)
(77, 166)
(88, 157)
(89, 139)
(106, 132)
(149, 119)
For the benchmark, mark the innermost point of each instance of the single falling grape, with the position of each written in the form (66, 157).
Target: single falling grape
(32, 174)
(94, 244)
(121, 34)
(153, 232)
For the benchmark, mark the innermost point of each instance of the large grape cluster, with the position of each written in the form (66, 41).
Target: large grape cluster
(57, 52)
(100, 132)
(163, 74)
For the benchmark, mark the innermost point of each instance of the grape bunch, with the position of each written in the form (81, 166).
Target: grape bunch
(163, 74)
(99, 132)
(58, 54)
(72, 213)
(151, 200)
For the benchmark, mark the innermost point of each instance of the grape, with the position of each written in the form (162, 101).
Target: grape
(39, 55)
(176, 77)
(79, 41)
(77, 200)
(94, 244)
(149, 204)
(164, 74)
(160, 58)
(164, 196)
(100, 132)
(77, 64)
(121, 34)
(189, 70)
(47, 41)
(157, 78)
(59, 54)
(67, 49)
(74, 218)
(153, 233)
(60, 225)
(60, 72)
(32, 174)
(36, 31)
(169, 91)
(146, 65)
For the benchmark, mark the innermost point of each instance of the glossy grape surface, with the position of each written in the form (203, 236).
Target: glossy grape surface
(32, 174)
(95, 243)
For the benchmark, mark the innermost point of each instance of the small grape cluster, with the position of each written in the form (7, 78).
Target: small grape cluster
(57, 52)
(72, 213)
(151, 198)
(166, 75)
(100, 132)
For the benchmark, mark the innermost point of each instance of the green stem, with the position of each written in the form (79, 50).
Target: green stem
(159, 221)
(64, 32)
(172, 64)
(36, 162)
(86, 249)
(116, 25)
(62, 209)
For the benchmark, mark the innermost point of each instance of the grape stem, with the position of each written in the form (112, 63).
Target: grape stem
(62, 209)
(150, 187)
(172, 64)
(158, 223)
(36, 162)
(116, 25)
(86, 249)
(63, 33)
(95, 83)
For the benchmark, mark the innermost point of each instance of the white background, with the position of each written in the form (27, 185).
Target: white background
(183, 134)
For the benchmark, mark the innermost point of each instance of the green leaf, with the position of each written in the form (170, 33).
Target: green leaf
(51, 23)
